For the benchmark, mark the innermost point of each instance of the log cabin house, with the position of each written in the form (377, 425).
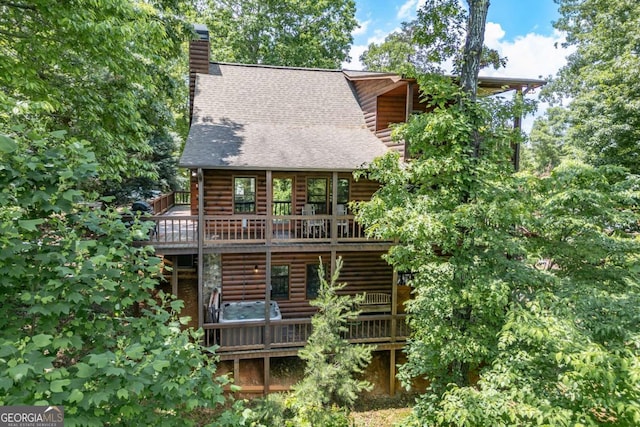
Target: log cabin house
(271, 151)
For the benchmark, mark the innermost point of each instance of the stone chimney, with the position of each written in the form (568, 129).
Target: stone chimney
(198, 60)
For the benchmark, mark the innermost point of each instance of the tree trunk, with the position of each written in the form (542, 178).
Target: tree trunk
(469, 82)
(471, 58)
(473, 46)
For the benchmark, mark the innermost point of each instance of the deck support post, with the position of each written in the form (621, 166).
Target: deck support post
(174, 277)
(236, 371)
(267, 302)
(267, 376)
(394, 305)
(200, 245)
(334, 209)
(269, 224)
(334, 222)
(267, 268)
(392, 372)
(408, 110)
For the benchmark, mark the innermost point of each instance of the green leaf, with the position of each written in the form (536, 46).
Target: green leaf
(5, 383)
(76, 396)
(42, 340)
(100, 360)
(7, 145)
(159, 365)
(30, 224)
(58, 134)
(57, 385)
(84, 370)
(19, 371)
(135, 351)
(6, 350)
(123, 393)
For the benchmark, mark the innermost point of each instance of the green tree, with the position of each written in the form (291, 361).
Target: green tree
(330, 385)
(82, 324)
(512, 273)
(423, 45)
(331, 361)
(568, 351)
(104, 71)
(290, 33)
(601, 79)
(547, 141)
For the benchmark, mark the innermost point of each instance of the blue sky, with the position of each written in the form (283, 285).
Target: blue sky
(520, 30)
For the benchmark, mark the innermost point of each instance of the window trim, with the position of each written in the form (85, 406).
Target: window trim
(288, 297)
(326, 192)
(293, 190)
(255, 194)
(306, 277)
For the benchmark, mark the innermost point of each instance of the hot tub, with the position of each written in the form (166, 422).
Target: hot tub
(247, 311)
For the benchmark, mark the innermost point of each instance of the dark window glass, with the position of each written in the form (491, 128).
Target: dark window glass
(343, 191)
(279, 282)
(244, 196)
(313, 281)
(317, 194)
(282, 196)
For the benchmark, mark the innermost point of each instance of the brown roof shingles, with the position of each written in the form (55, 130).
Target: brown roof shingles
(261, 117)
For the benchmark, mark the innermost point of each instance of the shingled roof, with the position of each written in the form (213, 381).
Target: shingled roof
(278, 118)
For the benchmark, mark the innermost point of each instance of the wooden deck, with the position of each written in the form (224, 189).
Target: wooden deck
(177, 227)
(293, 333)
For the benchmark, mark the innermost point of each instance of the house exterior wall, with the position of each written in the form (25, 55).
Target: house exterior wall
(218, 190)
(362, 271)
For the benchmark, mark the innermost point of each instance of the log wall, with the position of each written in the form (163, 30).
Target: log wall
(240, 281)
(363, 272)
(391, 109)
(218, 190)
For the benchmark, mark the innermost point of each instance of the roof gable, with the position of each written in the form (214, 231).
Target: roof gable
(262, 117)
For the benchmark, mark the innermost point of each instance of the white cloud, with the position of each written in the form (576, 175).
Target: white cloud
(362, 29)
(406, 9)
(354, 53)
(492, 34)
(529, 56)
(532, 56)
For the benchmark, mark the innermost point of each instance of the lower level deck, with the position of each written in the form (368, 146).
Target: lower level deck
(276, 335)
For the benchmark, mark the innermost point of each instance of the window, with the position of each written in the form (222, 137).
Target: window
(244, 195)
(282, 196)
(343, 191)
(280, 282)
(313, 281)
(317, 194)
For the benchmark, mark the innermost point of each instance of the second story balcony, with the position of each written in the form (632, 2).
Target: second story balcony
(175, 226)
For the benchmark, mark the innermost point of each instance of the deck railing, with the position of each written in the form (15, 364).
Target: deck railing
(164, 202)
(242, 336)
(219, 229)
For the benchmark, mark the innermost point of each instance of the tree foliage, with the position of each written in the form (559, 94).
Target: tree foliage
(82, 324)
(290, 33)
(101, 70)
(601, 80)
(548, 144)
(427, 44)
(330, 385)
(524, 286)
(518, 281)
